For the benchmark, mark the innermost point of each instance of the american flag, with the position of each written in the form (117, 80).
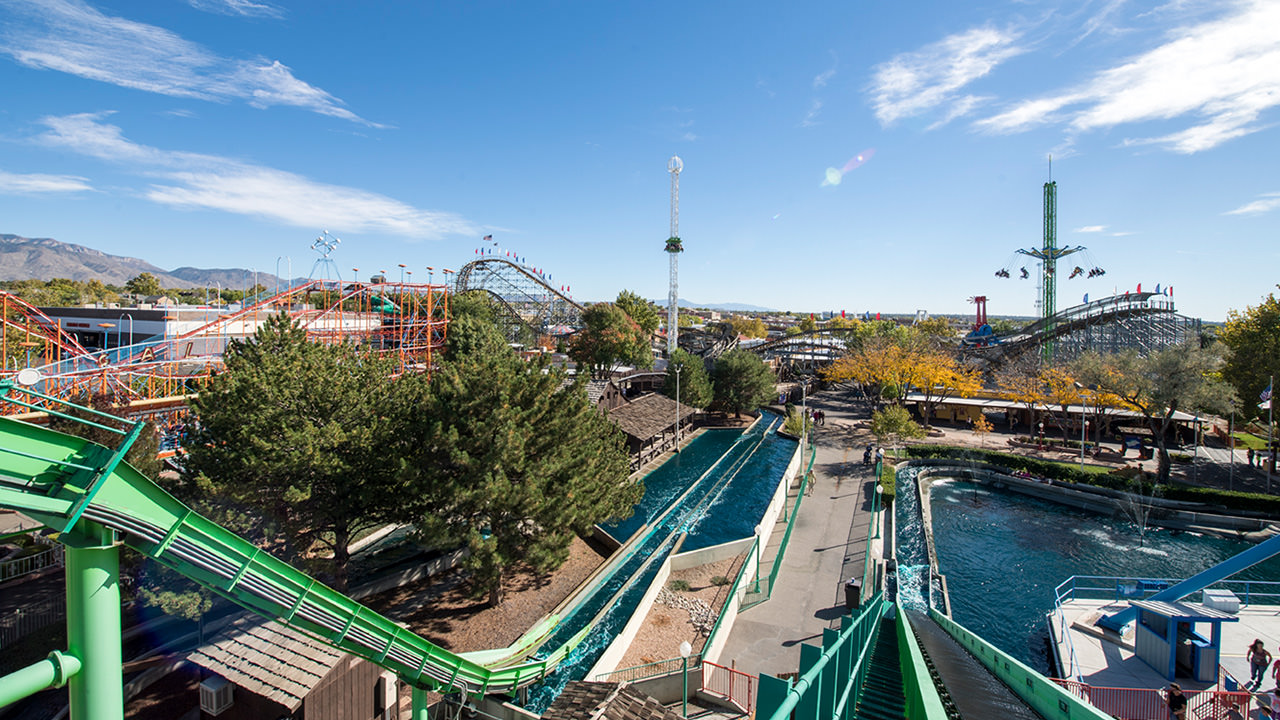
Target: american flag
(487, 238)
(1266, 394)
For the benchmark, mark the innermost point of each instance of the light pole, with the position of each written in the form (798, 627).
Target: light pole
(1040, 446)
(685, 650)
(757, 586)
(679, 368)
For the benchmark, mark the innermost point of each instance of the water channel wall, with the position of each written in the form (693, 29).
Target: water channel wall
(1171, 514)
(617, 649)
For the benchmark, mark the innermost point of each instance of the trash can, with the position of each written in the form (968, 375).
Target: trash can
(853, 593)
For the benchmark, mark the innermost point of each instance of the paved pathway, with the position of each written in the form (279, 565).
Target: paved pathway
(827, 546)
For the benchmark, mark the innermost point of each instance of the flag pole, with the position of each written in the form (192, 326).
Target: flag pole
(1271, 453)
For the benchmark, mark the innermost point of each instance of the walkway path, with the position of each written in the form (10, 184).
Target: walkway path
(827, 546)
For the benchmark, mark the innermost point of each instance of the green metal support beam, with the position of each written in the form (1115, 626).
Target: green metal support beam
(93, 623)
(51, 672)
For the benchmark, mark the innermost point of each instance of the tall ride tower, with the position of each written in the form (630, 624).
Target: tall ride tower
(1048, 256)
(674, 248)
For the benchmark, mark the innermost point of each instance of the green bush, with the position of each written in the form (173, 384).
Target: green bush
(720, 580)
(679, 585)
(888, 482)
(1120, 479)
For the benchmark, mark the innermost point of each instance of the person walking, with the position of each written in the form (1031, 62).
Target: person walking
(1259, 661)
(1177, 702)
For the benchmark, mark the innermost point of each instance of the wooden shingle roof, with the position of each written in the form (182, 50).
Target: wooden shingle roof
(606, 701)
(648, 415)
(268, 659)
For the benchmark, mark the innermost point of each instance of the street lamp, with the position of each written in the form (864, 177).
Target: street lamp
(685, 650)
(1040, 447)
(679, 368)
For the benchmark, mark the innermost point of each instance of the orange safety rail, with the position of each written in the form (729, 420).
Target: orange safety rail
(737, 687)
(1147, 704)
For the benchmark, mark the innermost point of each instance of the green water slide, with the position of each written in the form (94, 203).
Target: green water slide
(92, 498)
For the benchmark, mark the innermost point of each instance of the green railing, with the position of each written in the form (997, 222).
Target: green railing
(831, 676)
(921, 695)
(648, 670)
(757, 596)
(1046, 697)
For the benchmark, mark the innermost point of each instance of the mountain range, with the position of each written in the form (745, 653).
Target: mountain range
(45, 258)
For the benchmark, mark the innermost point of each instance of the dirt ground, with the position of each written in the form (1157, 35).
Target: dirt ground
(665, 627)
(443, 609)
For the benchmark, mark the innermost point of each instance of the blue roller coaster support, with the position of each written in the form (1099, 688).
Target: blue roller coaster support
(1221, 571)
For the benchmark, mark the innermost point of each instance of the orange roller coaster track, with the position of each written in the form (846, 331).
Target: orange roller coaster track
(405, 320)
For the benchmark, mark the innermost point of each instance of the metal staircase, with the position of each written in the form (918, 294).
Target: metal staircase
(882, 697)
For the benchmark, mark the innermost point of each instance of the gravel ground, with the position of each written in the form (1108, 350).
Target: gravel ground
(666, 626)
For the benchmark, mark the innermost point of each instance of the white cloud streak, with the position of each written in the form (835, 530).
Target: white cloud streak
(39, 184)
(1224, 73)
(918, 82)
(1265, 204)
(195, 181)
(71, 37)
(811, 117)
(1091, 229)
(241, 8)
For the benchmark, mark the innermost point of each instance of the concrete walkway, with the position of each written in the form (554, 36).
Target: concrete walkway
(827, 547)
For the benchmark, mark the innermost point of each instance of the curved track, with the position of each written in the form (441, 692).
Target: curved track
(528, 302)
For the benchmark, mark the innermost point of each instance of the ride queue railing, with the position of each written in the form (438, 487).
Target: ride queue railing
(1148, 704)
(734, 686)
(832, 676)
(1118, 588)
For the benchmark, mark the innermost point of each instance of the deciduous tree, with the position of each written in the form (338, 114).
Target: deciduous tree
(610, 338)
(1158, 385)
(144, 284)
(1253, 336)
(640, 310)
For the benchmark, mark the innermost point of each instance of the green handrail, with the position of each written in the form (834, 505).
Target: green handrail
(921, 695)
(1046, 697)
(831, 676)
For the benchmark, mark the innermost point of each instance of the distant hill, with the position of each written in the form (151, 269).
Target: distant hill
(729, 307)
(45, 258)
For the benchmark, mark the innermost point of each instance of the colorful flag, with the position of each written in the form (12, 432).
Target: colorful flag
(1266, 394)
(1139, 287)
(1158, 289)
(1086, 297)
(487, 238)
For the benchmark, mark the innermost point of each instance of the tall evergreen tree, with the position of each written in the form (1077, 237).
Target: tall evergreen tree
(305, 434)
(511, 460)
(742, 381)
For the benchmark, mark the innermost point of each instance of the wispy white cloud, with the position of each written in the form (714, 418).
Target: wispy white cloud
(72, 37)
(37, 184)
(1091, 229)
(821, 79)
(244, 8)
(1265, 203)
(689, 137)
(1221, 74)
(918, 82)
(811, 117)
(1122, 233)
(197, 181)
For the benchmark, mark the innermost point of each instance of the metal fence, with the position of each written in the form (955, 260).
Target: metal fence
(24, 621)
(1146, 704)
(734, 686)
(14, 569)
(649, 670)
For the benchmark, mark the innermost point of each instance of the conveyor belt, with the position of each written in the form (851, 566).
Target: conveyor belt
(975, 693)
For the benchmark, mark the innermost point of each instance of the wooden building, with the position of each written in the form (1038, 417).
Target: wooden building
(606, 701)
(651, 422)
(258, 669)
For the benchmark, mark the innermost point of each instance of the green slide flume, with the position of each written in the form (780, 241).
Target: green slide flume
(60, 480)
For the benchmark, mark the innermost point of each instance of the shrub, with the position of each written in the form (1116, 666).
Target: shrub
(720, 580)
(679, 585)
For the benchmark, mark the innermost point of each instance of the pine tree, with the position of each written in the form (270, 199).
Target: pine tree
(512, 461)
(694, 386)
(304, 434)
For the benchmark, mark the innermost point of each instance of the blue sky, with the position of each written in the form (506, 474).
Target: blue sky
(230, 133)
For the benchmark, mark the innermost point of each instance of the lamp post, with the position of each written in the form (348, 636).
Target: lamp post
(685, 650)
(757, 546)
(1040, 446)
(679, 368)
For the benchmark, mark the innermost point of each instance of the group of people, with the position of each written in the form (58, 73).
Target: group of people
(818, 417)
(871, 451)
(1259, 660)
(1261, 459)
